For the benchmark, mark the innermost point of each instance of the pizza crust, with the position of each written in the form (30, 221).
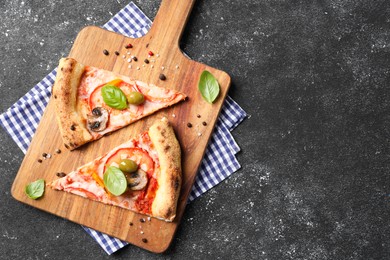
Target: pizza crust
(169, 179)
(71, 124)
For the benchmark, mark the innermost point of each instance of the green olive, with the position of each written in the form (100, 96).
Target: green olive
(135, 98)
(127, 165)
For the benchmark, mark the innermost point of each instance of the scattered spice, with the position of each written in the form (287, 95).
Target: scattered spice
(148, 218)
(158, 55)
(177, 66)
(142, 220)
(162, 68)
(199, 134)
(40, 160)
(58, 151)
(105, 52)
(142, 232)
(147, 45)
(61, 174)
(204, 123)
(129, 60)
(152, 66)
(144, 240)
(48, 156)
(162, 77)
(173, 115)
(198, 116)
(124, 56)
(131, 223)
(146, 61)
(189, 125)
(128, 46)
(44, 155)
(117, 53)
(150, 53)
(137, 68)
(72, 127)
(135, 58)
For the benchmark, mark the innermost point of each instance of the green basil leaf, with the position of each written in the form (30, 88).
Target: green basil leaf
(114, 97)
(115, 180)
(208, 86)
(35, 189)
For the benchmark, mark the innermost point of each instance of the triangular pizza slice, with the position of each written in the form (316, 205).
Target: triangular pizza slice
(91, 102)
(142, 175)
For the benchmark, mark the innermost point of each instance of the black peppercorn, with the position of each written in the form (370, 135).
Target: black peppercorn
(105, 52)
(162, 77)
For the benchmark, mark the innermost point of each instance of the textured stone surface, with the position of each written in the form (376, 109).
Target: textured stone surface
(314, 79)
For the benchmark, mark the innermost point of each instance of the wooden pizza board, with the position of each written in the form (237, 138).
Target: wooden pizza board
(181, 74)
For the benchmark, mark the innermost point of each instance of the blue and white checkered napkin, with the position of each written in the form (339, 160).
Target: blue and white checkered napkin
(219, 162)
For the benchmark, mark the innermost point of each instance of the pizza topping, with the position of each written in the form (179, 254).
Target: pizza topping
(115, 181)
(114, 97)
(105, 52)
(135, 98)
(97, 121)
(137, 180)
(128, 166)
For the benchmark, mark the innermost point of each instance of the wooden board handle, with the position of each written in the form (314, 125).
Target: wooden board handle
(170, 21)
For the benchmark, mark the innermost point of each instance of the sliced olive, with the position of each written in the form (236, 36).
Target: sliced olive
(135, 98)
(137, 180)
(127, 165)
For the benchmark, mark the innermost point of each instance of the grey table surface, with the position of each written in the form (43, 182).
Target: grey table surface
(313, 77)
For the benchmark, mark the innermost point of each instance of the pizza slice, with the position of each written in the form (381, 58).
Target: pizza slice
(149, 167)
(91, 102)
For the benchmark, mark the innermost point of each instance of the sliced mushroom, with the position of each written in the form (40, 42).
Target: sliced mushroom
(97, 121)
(137, 180)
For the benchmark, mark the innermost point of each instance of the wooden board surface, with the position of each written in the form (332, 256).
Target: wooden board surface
(182, 74)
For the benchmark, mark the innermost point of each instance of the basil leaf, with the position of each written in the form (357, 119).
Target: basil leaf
(35, 189)
(114, 97)
(115, 180)
(208, 86)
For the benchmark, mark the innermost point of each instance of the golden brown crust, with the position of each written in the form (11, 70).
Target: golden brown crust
(73, 130)
(169, 179)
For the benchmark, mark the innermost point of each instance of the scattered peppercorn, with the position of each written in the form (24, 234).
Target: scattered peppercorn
(61, 174)
(44, 155)
(128, 46)
(142, 220)
(204, 123)
(58, 151)
(198, 116)
(135, 58)
(117, 53)
(72, 127)
(189, 125)
(144, 240)
(105, 52)
(146, 61)
(147, 45)
(39, 160)
(150, 53)
(162, 77)
(131, 223)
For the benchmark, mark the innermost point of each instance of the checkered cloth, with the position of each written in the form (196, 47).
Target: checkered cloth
(219, 162)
